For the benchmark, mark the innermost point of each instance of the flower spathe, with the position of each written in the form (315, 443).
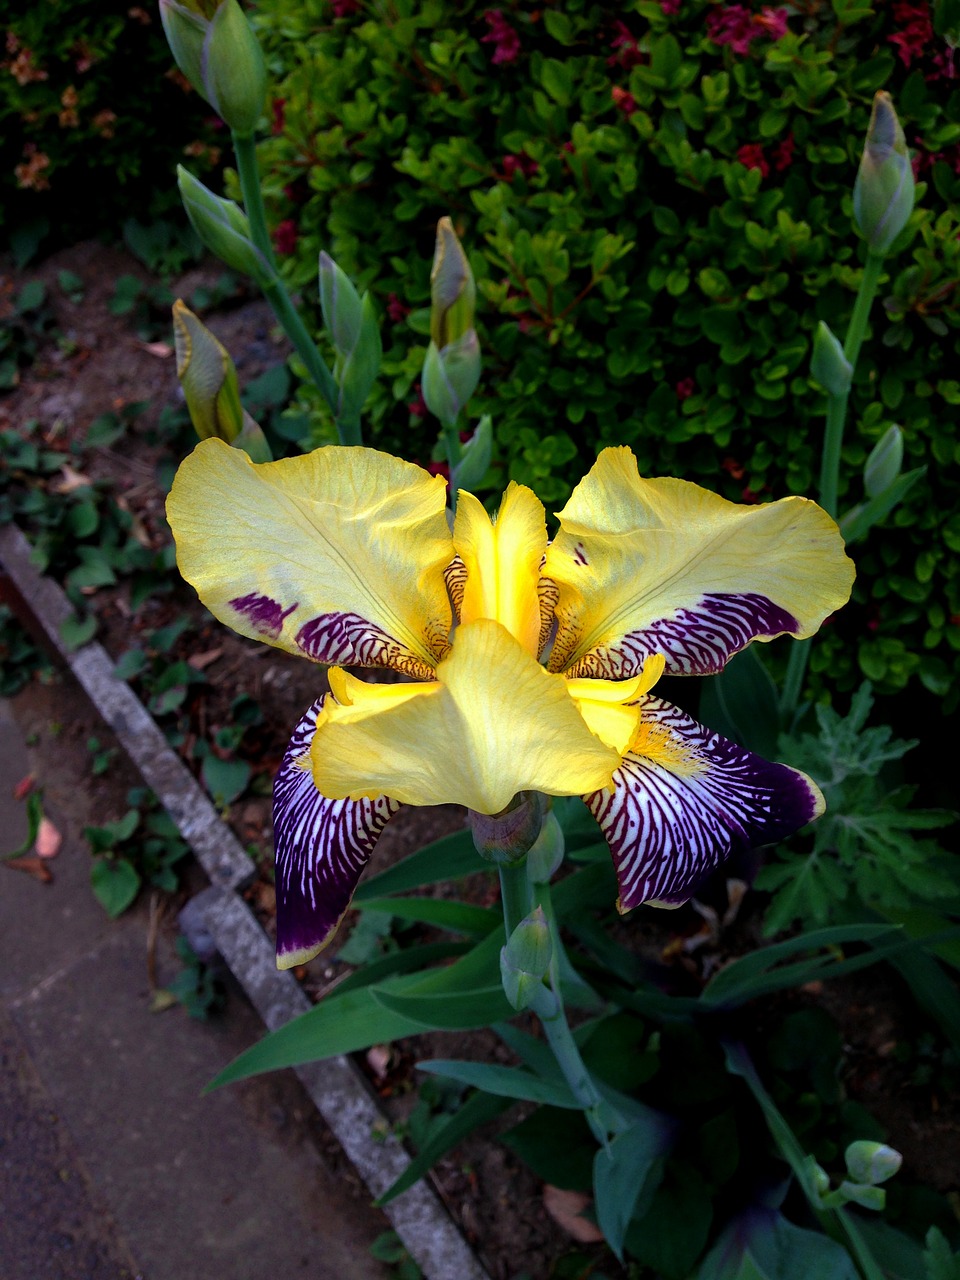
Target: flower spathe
(528, 664)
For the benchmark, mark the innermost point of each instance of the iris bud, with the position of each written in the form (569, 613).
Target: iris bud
(451, 369)
(352, 324)
(829, 365)
(209, 380)
(871, 1162)
(223, 228)
(883, 193)
(544, 859)
(883, 465)
(473, 464)
(215, 48)
(525, 963)
(507, 837)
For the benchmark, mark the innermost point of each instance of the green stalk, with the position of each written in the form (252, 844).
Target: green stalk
(514, 893)
(454, 451)
(276, 293)
(830, 460)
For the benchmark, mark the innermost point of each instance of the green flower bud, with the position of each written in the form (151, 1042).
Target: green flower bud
(829, 365)
(340, 305)
(871, 1162)
(883, 465)
(209, 380)
(473, 464)
(883, 193)
(452, 290)
(450, 376)
(215, 48)
(359, 369)
(866, 1197)
(525, 963)
(223, 228)
(506, 837)
(544, 859)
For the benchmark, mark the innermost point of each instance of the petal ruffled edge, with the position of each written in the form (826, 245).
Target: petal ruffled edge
(322, 847)
(691, 799)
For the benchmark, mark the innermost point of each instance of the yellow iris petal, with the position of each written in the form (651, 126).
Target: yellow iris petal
(664, 565)
(608, 706)
(493, 723)
(337, 555)
(502, 561)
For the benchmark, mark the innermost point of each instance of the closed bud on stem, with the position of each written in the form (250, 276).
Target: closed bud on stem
(507, 837)
(223, 228)
(525, 963)
(351, 322)
(209, 381)
(215, 48)
(829, 365)
(452, 289)
(546, 855)
(883, 193)
(884, 463)
(450, 376)
(871, 1162)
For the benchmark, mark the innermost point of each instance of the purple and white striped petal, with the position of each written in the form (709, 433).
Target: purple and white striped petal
(322, 847)
(686, 798)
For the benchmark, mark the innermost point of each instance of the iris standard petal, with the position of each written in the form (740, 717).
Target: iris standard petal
(498, 571)
(337, 555)
(664, 566)
(493, 723)
(322, 846)
(684, 799)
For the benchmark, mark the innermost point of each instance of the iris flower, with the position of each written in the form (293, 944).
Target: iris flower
(525, 664)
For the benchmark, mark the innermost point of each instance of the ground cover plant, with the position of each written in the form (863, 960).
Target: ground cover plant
(674, 800)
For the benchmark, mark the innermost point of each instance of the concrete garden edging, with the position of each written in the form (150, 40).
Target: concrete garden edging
(335, 1086)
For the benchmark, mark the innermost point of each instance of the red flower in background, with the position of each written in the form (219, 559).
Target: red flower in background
(685, 389)
(783, 153)
(285, 236)
(629, 54)
(519, 164)
(397, 311)
(623, 100)
(916, 34)
(502, 36)
(751, 155)
(738, 26)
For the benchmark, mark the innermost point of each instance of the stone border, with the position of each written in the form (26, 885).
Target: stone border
(335, 1085)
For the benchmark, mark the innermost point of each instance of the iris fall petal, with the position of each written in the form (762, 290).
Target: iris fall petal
(322, 846)
(684, 799)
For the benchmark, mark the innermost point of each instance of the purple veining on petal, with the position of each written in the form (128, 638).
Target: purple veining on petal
(667, 832)
(579, 555)
(322, 847)
(696, 641)
(346, 639)
(265, 615)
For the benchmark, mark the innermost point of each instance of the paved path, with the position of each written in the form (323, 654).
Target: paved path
(112, 1163)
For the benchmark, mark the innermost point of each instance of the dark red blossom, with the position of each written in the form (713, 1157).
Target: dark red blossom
(751, 156)
(628, 53)
(623, 100)
(733, 468)
(519, 164)
(285, 236)
(738, 26)
(685, 389)
(670, 8)
(344, 8)
(783, 153)
(916, 29)
(278, 107)
(397, 311)
(418, 407)
(505, 41)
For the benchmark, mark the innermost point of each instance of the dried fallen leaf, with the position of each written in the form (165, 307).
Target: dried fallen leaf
(162, 350)
(24, 787)
(33, 866)
(200, 660)
(72, 479)
(564, 1208)
(48, 841)
(379, 1058)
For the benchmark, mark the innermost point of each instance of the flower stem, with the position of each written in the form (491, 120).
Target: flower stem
(454, 451)
(830, 461)
(276, 293)
(514, 893)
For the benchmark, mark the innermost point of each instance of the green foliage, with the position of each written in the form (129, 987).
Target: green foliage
(863, 852)
(639, 279)
(142, 846)
(196, 986)
(91, 121)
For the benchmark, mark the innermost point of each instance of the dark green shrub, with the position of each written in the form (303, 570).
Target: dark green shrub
(92, 121)
(657, 207)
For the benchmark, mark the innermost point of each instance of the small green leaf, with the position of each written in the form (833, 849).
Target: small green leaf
(225, 779)
(504, 1082)
(115, 884)
(76, 632)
